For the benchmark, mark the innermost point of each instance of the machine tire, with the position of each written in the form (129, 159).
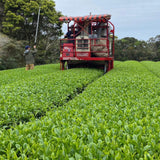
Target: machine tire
(68, 66)
(105, 67)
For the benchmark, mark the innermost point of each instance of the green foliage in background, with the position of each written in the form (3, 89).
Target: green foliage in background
(11, 55)
(130, 48)
(20, 19)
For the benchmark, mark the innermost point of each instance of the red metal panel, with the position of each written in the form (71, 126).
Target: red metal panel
(88, 58)
(67, 54)
(67, 50)
(85, 54)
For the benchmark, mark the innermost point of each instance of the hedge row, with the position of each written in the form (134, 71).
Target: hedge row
(154, 67)
(19, 74)
(33, 97)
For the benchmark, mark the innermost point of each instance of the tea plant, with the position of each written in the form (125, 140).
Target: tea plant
(33, 97)
(13, 75)
(116, 117)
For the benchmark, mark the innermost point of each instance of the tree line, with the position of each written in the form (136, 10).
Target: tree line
(19, 21)
(129, 48)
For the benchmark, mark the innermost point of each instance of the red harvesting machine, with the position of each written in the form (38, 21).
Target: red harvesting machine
(88, 42)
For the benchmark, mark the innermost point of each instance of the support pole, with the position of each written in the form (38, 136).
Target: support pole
(35, 41)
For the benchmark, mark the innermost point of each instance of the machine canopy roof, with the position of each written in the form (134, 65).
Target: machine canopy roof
(86, 18)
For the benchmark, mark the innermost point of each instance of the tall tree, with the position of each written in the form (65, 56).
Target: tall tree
(21, 19)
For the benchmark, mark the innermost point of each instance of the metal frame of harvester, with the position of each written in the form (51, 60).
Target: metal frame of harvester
(92, 42)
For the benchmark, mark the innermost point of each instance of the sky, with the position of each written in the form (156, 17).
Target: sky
(132, 18)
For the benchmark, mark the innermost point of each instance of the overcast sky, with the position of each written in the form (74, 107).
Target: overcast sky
(132, 18)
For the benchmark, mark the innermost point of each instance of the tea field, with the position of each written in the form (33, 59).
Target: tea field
(81, 114)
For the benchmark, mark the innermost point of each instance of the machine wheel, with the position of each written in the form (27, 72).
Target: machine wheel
(105, 67)
(62, 65)
(68, 66)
